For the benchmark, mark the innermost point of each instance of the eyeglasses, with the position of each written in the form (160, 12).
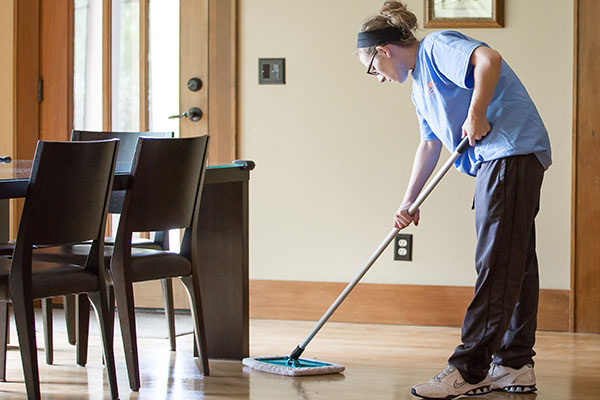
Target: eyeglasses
(371, 70)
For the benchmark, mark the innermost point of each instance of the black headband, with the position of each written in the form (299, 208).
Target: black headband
(379, 36)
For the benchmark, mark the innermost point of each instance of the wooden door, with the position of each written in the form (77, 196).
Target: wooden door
(208, 53)
(43, 67)
(56, 70)
(585, 252)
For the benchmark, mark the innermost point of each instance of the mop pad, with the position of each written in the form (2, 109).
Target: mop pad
(281, 365)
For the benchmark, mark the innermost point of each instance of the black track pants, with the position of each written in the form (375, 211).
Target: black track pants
(501, 320)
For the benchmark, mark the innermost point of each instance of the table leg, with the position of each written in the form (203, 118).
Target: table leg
(223, 264)
(4, 220)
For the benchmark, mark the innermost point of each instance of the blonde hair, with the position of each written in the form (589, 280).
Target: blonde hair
(392, 14)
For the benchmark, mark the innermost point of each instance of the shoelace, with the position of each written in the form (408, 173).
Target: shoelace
(449, 369)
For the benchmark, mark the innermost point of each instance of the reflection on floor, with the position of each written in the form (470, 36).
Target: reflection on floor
(382, 362)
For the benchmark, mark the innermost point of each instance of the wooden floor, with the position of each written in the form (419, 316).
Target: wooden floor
(382, 362)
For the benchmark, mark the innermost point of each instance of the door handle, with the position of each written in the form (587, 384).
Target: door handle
(194, 114)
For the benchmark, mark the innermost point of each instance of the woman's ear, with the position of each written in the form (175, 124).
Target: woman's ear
(385, 50)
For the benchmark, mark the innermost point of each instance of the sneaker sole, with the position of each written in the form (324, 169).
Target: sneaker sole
(518, 389)
(473, 392)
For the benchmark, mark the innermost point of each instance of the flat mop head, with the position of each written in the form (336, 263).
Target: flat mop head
(283, 365)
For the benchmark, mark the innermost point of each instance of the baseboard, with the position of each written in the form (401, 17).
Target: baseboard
(149, 295)
(386, 304)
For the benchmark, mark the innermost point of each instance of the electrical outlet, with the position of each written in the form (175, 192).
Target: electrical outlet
(403, 247)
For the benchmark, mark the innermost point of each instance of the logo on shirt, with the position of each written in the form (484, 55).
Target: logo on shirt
(430, 87)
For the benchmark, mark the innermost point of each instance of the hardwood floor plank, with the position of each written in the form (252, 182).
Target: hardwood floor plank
(382, 362)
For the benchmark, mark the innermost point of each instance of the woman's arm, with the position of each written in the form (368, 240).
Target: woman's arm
(487, 64)
(426, 159)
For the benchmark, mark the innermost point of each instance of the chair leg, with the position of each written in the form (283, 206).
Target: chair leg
(102, 314)
(110, 298)
(48, 334)
(69, 307)
(110, 319)
(126, 310)
(25, 321)
(83, 327)
(167, 288)
(198, 318)
(4, 325)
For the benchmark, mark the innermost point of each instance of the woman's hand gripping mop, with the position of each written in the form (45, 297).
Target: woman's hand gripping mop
(293, 365)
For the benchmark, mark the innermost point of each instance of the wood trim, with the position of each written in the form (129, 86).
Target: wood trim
(26, 125)
(144, 25)
(27, 72)
(234, 113)
(70, 67)
(586, 278)
(148, 295)
(496, 21)
(574, 168)
(56, 69)
(222, 72)
(386, 304)
(107, 76)
(107, 65)
(193, 53)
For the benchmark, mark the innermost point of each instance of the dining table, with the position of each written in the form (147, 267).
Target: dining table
(222, 246)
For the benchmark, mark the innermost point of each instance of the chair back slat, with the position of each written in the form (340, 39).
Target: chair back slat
(68, 190)
(166, 182)
(127, 146)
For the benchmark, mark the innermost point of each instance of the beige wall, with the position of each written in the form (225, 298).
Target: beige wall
(334, 149)
(6, 77)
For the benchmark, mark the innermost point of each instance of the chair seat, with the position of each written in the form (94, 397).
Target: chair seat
(49, 279)
(146, 264)
(7, 248)
(151, 264)
(135, 242)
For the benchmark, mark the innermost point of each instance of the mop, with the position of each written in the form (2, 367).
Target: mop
(293, 365)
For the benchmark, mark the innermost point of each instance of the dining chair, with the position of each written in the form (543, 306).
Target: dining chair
(163, 195)
(66, 202)
(160, 241)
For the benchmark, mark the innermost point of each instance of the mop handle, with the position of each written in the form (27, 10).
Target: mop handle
(412, 209)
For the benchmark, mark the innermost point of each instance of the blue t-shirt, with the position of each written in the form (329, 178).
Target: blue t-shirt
(442, 90)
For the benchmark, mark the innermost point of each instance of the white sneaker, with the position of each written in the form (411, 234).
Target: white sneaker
(512, 380)
(449, 384)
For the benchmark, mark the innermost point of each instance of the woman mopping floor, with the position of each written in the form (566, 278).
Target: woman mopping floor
(461, 87)
(464, 89)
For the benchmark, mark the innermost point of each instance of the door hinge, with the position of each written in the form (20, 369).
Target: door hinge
(40, 89)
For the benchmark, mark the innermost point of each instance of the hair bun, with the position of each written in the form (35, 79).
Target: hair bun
(398, 15)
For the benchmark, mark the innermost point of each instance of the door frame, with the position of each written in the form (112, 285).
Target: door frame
(585, 230)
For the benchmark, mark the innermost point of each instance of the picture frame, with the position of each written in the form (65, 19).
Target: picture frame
(464, 14)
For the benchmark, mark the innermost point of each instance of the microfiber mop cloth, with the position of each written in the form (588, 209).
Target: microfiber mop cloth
(282, 366)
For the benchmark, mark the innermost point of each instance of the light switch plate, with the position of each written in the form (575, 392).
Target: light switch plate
(271, 71)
